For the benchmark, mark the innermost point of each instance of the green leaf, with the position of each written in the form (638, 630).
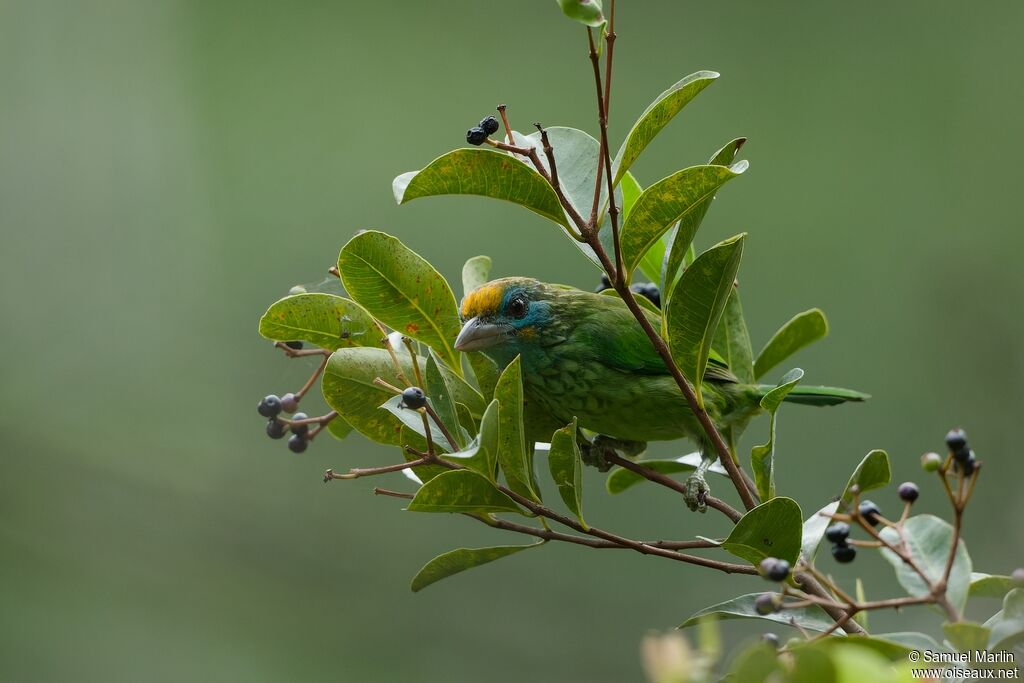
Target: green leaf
(966, 636)
(475, 272)
(461, 491)
(992, 586)
(482, 453)
(814, 530)
(680, 238)
(413, 419)
(675, 198)
(461, 559)
(621, 479)
(1007, 625)
(656, 116)
(586, 12)
(758, 663)
(650, 263)
(399, 288)
(693, 316)
(812, 665)
(803, 329)
(566, 469)
(894, 646)
(482, 172)
(441, 400)
(762, 458)
(324, 320)
(732, 340)
(772, 529)
(928, 540)
(512, 455)
(812, 618)
(348, 388)
(338, 428)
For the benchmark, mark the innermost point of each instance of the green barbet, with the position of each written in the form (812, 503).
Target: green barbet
(584, 355)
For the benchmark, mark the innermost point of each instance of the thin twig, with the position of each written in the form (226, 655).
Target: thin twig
(357, 472)
(668, 482)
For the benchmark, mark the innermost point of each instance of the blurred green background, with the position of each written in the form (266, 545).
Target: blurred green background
(168, 169)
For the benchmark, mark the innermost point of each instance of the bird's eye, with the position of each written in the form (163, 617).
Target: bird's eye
(517, 307)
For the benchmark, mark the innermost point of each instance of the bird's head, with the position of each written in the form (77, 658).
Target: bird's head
(504, 317)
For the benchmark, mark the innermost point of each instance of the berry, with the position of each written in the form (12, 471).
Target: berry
(276, 429)
(765, 604)
(476, 135)
(605, 284)
(774, 569)
(1017, 576)
(931, 462)
(838, 532)
(969, 465)
(956, 441)
(908, 492)
(771, 639)
(300, 430)
(414, 398)
(297, 443)
(648, 290)
(489, 124)
(844, 553)
(289, 402)
(294, 345)
(297, 289)
(869, 511)
(269, 406)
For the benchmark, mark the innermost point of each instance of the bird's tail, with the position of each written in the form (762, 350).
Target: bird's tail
(818, 396)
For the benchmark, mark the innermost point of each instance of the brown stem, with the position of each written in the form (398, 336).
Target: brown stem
(504, 120)
(357, 472)
(300, 353)
(440, 425)
(378, 491)
(838, 612)
(668, 482)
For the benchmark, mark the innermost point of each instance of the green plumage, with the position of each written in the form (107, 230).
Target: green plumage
(585, 356)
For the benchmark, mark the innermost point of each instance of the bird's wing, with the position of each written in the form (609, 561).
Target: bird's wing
(617, 341)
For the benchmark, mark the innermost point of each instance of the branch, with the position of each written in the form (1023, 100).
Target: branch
(668, 482)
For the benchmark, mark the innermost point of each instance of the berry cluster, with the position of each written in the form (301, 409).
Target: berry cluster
(272, 406)
(478, 134)
(648, 290)
(838, 534)
(956, 441)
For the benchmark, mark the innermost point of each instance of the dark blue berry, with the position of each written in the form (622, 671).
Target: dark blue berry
(956, 441)
(605, 284)
(771, 639)
(300, 430)
(296, 345)
(414, 398)
(908, 492)
(870, 512)
(838, 532)
(489, 124)
(765, 604)
(774, 569)
(276, 429)
(969, 465)
(476, 135)
(649, 291)
(297, 443)
(289, 402)
(844, 553)
(269, 406)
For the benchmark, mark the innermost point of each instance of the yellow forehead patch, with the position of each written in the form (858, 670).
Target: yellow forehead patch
(482, 301)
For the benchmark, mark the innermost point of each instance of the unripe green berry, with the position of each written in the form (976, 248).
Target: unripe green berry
(931, 462)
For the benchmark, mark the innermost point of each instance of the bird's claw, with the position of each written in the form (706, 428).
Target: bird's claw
(595, 455)
(696, 492)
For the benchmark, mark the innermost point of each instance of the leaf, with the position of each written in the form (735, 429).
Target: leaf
(733, 341)
(1007, 625)
(413, 419)
(621, 479)
(762, 458)
(812, 665)
(475, 272)
(461, 491)
(482, 453)
(814, 530)
(485, 372)
(991, 586)
(441, 399)
(650, 263)
(586, 12)
(772, 529)
(812, 618)
(348, 388)
(482, 172)
(928, 540)
(461, 559)
(680, 238)
(693, 316)
(966, 636)
(512, 455)
(894, 646)
(399, 288)
(803, 329)
(325, 320)
(338, 428)
(671, 199)
(566, 469)
(656, 117)
(757, 664)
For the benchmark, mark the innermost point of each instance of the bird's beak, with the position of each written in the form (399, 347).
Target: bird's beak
(476, 335)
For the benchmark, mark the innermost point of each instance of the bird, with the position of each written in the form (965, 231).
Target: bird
(584, 356)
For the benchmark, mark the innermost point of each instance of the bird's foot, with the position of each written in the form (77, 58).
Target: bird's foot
(595, 455)
(696, 492)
